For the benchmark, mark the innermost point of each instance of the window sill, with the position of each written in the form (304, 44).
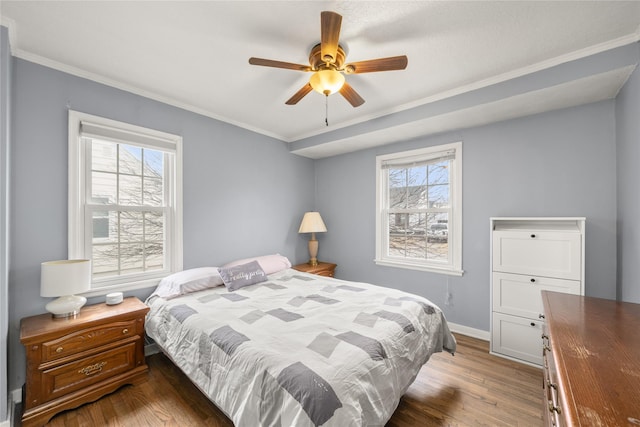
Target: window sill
(122, 287)
(447, 271)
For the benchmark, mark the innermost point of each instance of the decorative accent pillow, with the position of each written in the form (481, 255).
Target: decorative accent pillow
(242, 275)
(186, 281)
(269, 263)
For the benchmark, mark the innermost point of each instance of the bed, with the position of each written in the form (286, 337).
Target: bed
(298, 349)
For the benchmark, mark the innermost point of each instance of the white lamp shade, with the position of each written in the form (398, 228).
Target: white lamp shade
(65, 277)
(312, 223)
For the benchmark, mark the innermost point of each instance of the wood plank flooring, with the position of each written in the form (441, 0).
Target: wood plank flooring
(472, 388)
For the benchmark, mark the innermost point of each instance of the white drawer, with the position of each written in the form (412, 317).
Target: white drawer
(519, 294)
(538, 252)
(517, 337)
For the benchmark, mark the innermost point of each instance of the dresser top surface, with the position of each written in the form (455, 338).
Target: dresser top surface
(44, 324)
(596, 348)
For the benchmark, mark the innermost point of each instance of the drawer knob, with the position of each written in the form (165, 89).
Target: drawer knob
(533, 236)
(533, 324)
(92, 369)
(59, 350)
(553, 408)
(125, 331)
(533, 280)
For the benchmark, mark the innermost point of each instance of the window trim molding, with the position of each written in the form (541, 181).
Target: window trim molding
(454, 267)
(77, 193)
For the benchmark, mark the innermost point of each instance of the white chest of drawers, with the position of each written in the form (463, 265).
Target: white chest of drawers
(529, 255)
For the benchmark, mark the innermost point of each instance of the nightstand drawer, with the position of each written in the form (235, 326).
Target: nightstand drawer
(86, 339)
(81, 373)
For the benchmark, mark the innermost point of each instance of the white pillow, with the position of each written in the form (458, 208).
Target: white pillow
(269, 263)
(186, 281)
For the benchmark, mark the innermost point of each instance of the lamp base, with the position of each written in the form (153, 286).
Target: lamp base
(313, 262)
(66, 306)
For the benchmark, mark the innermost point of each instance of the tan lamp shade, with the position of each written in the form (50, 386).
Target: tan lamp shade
(312, 223)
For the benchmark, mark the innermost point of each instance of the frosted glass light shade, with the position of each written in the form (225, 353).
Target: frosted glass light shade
(63, 279)
(327, 81)
(312, 223)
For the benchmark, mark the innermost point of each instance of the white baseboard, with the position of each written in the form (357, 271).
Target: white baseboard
(15, 397)
(470, 332)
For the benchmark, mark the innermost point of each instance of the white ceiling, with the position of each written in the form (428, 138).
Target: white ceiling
(194, 54)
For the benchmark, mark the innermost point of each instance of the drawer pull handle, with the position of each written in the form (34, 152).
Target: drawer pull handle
(540, 316)
(546, 348)
(553, 408)
(545, 336)
(125, 331)
(92, 369)
(59, 350)
(533, 236)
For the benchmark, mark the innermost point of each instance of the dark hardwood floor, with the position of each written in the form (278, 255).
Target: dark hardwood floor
(472, 388)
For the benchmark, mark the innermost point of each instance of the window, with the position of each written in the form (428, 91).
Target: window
(419, 209)
(125, 206)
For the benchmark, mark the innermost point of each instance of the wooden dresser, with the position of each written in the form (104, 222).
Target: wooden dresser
(591, 352)
(78, 360)
(322, 269)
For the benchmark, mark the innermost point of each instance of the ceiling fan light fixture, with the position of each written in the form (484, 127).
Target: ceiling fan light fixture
(326, 81)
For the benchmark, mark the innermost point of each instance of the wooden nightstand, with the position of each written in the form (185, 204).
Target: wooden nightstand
(78, 360)
(322, 269)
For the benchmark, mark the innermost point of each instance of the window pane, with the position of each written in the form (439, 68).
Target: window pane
(130, 160)
(438, 237)
(100, 225)
(154, 226)
(439, 196)
(154, 256)
(104, 260)
(397, 188)
(153, 163)
(103, 187)
(130, 190)
(153, 194)
(131, 258)
(416, 187)
(104, 156)
(131, 227)
(105, 227)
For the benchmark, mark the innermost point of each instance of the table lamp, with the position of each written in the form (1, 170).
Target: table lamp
(63, 279)
(312, 223)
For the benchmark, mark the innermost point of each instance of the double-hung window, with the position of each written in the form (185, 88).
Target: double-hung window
(125, 205)
(419, 209)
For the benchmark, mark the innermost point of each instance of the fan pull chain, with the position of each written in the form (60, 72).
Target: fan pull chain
(326, 109)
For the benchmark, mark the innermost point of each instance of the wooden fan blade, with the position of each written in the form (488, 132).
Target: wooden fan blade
(299, 94)
(373, 65)
(351, 95)
(278, 64)
(329, 34)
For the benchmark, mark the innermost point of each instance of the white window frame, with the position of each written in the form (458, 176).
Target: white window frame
(80, 214)
(454, 264)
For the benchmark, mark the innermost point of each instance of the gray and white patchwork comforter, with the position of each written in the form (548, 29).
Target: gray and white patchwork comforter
(300, 349)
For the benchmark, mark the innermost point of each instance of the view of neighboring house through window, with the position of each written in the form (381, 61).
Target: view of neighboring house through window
(419, 209)
(127, 210)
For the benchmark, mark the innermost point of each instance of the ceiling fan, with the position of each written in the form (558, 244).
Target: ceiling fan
(327, 63)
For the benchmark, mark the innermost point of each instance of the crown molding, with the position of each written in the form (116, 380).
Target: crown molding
(530, 69)
(78, 72)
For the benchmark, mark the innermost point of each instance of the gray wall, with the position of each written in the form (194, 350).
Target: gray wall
(5, 120)
(628, 140)
(561, 163)
(244, 193)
